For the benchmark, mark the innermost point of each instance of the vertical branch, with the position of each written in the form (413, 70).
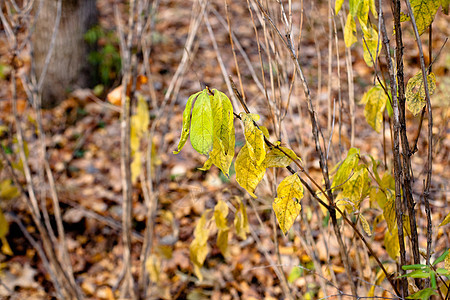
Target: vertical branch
(429, 164)
(396, 151)
(406, 169)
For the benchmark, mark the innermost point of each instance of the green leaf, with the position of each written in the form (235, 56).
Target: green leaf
(423, 294)
(202, 124)
(338, 5)
(414, 267)
(295, 274)
(223, 138)
(276, 158)
(286, 208)
(254, 138)
(424, 12)
(241, 221)
(445, 221)
(198, 249)
(349, 163)
(370, 44)
(375, 100)
(186, 123)
(441, 258)
(350, 31)
(415, 91)
(248, 172)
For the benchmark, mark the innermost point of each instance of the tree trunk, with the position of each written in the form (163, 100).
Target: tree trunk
(68, 68)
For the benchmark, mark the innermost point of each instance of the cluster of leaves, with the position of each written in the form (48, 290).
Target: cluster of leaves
(430, 272)
(199, 248)
(105, 57)
(211, 131)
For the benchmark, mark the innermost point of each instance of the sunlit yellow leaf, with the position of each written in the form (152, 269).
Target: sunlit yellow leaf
(353, 7)
(139, 126)
(375, 100)
(378, 279)
(202, 124)
(186, 123)
(8, 190)
(445, 221)
(370, 44)
(199, 249)
(391, 244)
(365, 225)
(241, 221)
(286, 205)
(350, 31)
(415, 91)
(338, 5)
(346, 167)
(276, 158)
(222, 242)
(356, 188)
(223, 120)
(248, 173)
(373, 8)
(6, 249)
(265, 131)
(363, 11)
(424, 12)
(254, 138)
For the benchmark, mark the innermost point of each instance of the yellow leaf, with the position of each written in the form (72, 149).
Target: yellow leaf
(202, 124)
(198, 249)
(248, 173)
(222, 152)
(415, 91)
(365, 225)
(222, 242)
(241, 221)
(4, 226)
(375, 100)
(370, 44)
(373, 8)
(285, 206)
(136, 166)
(153, 266)
(391, 244)
(445, 221)
(389, 214)
(424, 12)
(254, 138)
(378, 279)
(220, 215)
(363, 11)
(186, 123)
(6, 249)
(141, 119)
(276, 158)
(350, 31)
(338, 5)
(355, 189)
(346, 167)
(8, 190)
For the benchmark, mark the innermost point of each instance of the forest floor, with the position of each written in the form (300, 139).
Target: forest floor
(83, 140)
